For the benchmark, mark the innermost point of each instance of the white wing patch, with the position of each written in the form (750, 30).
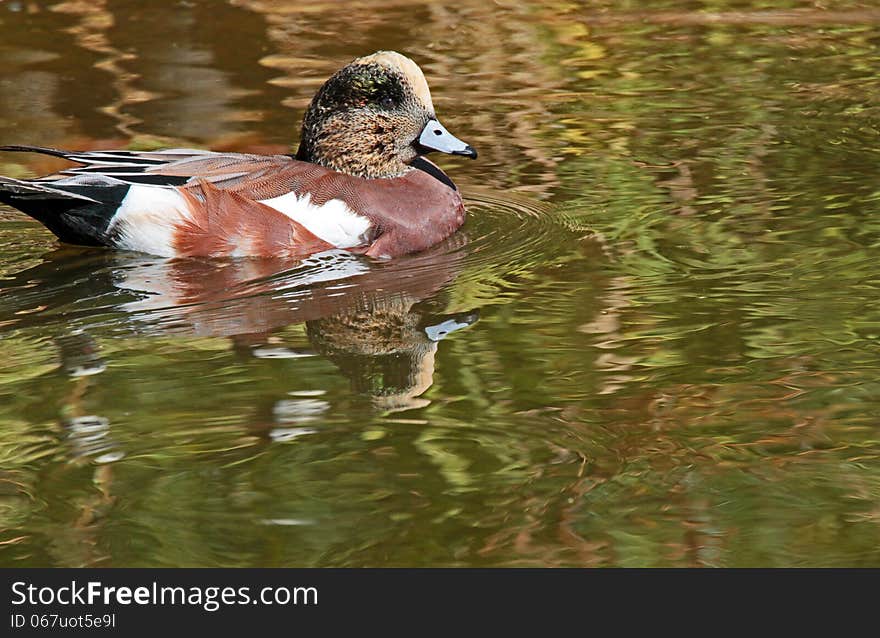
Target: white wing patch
(147, 218)
(333, 221)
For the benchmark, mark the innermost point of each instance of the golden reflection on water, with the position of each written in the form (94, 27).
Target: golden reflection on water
(283, 51)
(675, 359)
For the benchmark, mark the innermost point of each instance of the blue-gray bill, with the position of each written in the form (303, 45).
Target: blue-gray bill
(435, 137)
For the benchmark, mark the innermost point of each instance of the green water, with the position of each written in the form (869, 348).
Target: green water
(656, 342)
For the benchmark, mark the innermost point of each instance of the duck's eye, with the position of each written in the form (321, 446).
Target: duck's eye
(387, 102)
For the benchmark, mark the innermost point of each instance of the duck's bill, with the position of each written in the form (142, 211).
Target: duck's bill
(435, 137)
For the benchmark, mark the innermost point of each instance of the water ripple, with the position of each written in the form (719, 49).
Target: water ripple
(505, 237)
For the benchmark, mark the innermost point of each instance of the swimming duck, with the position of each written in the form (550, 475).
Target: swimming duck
(359, 181)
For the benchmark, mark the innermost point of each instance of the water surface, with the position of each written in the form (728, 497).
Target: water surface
(656, 342)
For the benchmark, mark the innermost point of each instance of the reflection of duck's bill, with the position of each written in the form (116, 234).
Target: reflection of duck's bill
(441, 327)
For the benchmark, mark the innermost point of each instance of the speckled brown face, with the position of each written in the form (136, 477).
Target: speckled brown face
(373, 117)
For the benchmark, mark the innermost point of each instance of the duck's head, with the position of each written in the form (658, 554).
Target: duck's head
(373, 117)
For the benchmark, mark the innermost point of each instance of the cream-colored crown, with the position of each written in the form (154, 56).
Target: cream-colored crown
(408, 68)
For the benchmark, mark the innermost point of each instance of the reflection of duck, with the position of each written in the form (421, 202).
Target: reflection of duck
(387, 352)
(245, 298)
(358, 182)
(379, 322)
(371, 320)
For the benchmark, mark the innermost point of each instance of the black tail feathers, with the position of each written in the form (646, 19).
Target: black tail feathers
(76, 210)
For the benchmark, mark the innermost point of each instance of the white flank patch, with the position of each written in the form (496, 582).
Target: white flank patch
(147, 218)
(334, 221)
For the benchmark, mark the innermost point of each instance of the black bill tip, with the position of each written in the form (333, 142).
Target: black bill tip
(467, 151)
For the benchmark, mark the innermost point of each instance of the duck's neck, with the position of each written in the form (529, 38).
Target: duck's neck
(341, 146)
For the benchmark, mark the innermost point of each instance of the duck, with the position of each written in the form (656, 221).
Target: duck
(359, 182)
